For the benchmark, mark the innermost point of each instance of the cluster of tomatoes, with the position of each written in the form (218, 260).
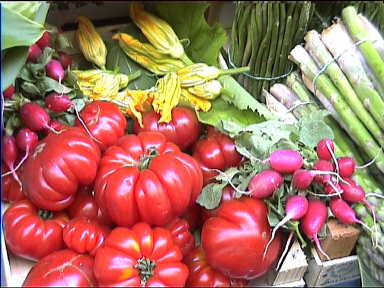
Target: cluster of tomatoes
(101, 206)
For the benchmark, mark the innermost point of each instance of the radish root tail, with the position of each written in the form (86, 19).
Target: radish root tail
(281, 223)
(290, 237)
(318, 245)
(85, 126)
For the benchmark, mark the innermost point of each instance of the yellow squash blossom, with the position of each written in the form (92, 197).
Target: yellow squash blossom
(90, 42)
(208, 90)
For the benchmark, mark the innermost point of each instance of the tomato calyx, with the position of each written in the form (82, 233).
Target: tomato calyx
(146, 268)
(45, 214)
(145, 160)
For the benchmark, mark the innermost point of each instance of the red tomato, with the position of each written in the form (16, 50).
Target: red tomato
(183, 130)
(64, 268)
(11, 190)
(235, 240)
(105, 121)
(59, 164)
(228, 194)
(84, 235)
(85, 205)
(145, 178)
(33, 234)
(216, 151)
(140, 256)
(203, 275)
(182, 237)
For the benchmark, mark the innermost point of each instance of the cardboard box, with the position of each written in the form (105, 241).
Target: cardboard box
(327, 273)
(340, 241)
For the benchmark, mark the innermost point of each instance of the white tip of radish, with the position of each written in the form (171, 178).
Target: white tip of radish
(318, 245)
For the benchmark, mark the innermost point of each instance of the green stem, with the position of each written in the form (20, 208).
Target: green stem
(234, 71)
(186, 59)
(134, 75)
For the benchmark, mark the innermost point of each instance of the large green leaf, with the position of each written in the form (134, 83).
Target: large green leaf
(12, 63)
(222, 110)
(188, 21)
(20, 30)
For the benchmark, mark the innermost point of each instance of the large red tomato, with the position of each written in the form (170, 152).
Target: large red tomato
(145, 178)
(59, 164)
(235, 240)
(31, 233)
(182, 237)
(183, 130)
(83, 235)
(11, 189)
(139, 257)
(216, 151)
(64, 268)
(85, 205)
(193, 216)
(202, 275)
(105, 121)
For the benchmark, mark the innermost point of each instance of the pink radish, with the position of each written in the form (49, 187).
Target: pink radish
(44, 41)
(57, 102)
(302, 178)
(34, 52)
(55, 70)
(10, 154)
(286, 161)
(323, 165)
(57, 125)
(347, 166)
(264, 184)
(295, 209)
(35, 117)
(9, 92)
(344, 213)
(325, 148)
(313, 222)
(332, 188)
(65, 60)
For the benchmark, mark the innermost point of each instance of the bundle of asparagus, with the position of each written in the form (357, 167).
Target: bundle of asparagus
(262, 35)
(348, 78)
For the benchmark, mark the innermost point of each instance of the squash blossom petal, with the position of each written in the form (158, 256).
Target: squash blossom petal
(167, 97)
(90, 42)
(97, 84)
(208, 90)
(158, 32)
(197, 74)
(147, 55)
(196, 102)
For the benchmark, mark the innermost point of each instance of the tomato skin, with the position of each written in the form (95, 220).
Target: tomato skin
(216, 151)
(85, 205)
(128, 193)
(228, 194)
(115, 262)
(28, 235)
(182, 237)
(105, 121)
(183, 129)
(193, 216)
(64, 268)
(242, 231)
(59, 164)
(202, 275)
(83, 235)
(11, 190)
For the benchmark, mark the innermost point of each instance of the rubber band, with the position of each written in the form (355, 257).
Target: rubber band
(258, 77)
(334, 59)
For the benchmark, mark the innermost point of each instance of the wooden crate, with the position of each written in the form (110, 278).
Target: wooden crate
(328, 273)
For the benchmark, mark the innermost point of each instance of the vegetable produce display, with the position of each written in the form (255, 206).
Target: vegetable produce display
(145, 154)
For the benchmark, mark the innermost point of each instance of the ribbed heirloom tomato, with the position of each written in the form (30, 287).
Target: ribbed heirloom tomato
(64, 268)
(182, 237)
(31, 233)
(145, 178)
(59, 164)
(216, 151)
(234, 241)
(105, 122)
(202, 275)
(139, 257)
(183, 130)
